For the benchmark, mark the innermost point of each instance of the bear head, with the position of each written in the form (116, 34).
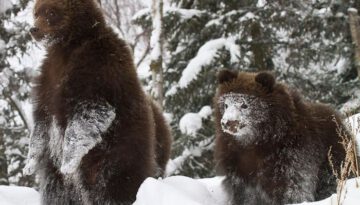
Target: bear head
(251, 107)
(63, 21)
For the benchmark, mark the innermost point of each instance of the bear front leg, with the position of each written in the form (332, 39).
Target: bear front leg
(302, 182)
(53, 189)
(36, 148)
(84, 132)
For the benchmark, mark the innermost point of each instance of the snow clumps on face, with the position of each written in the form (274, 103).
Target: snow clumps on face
(242, 115)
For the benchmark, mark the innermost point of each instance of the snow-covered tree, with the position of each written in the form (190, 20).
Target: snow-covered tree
(119, 14)
(14, 91)
(306, 43)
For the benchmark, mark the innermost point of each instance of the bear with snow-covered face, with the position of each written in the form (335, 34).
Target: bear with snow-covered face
(271, 144)
(97, 136)
(242, 116)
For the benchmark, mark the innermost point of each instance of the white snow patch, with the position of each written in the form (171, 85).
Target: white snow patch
(36, 146)
(168, 117)
(176, 190)
(2, 46)
(353, 123)
(190, 123)
(248, 16)
(323, 12)
(141, 13)
(179, 190)
(352, 104)
(172, 90)
(350, 195)
(205, 56)
(261, 3)
(185, 13)
(352, 10)
(5, 5)
(13, 195)
(84, 132)
(205, 112)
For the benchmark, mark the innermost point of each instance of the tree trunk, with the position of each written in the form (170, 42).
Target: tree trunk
(354, 23)
(259, 50)
(3, 161)
(157, 45)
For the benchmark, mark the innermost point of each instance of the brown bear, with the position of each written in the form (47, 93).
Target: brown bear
(271, 144)
(97, 136)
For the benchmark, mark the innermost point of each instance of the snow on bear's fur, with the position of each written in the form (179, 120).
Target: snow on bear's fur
(97, 136)
(271, 144)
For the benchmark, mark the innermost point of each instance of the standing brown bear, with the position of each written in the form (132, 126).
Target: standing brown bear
(271, 144)
(96, 136)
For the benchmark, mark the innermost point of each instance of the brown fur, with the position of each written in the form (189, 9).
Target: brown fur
(87, 62)
(287, 161)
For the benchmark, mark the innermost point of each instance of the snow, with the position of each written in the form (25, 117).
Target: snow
(141, 13)
(2, 46)
(190, 123)
(84, 132)
(5, 5)
(37, 143)
(205, 112)
(349, 196)
(240, 114)
(352, 104)
(205, 56)
(261, 3)
(179, 190)
(353, 123)
(176, 190)
(352, 10)
(185, 13)
(248, 16)
(12, 195)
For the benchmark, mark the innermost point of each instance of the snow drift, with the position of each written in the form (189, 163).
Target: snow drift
(177, 190)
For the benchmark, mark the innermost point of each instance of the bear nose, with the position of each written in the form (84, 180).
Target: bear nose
(34, 30)
(231, 125)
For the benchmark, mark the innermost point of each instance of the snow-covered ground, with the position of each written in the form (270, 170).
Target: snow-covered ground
(12, 195)
(180, 190)
(176, 190)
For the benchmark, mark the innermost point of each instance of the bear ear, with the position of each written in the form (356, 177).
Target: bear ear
(226, 76)
(266, 79)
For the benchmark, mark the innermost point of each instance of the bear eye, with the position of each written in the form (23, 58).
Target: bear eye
(244, 106)
(51, 13)
(226, 106)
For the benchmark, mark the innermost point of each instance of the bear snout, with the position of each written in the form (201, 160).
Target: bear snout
(232, 125)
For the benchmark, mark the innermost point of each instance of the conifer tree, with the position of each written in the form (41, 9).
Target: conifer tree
(14, 91)
(307, 44)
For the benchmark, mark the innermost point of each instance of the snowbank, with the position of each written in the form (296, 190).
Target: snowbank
(179, 190)
(353, 123)
(350, 195)
(12, 195)
(176, 190)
